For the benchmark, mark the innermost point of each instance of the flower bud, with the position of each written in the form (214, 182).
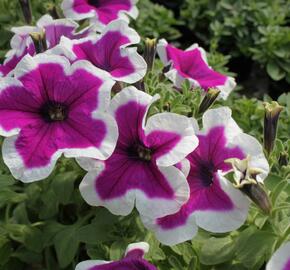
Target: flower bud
(246, 181)
(51, 8)
(150, 52)
(209, 98)
(39, 41)
(272, 112)
(26, 10)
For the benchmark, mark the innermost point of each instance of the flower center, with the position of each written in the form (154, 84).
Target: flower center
(53, 111)
(206, 173)
(140, 152)
(95, 3)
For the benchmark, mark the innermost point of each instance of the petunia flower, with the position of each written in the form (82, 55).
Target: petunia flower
(133, 260)
(108, 51)
(281, 259)
(192, 65)
(214, 204)
(100, 12)
(22, 44)
(52, 108)
(141, 170)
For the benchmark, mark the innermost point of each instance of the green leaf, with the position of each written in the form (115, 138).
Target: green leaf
(66, 245)
(117, 249)
(224, 247)
(275, 72)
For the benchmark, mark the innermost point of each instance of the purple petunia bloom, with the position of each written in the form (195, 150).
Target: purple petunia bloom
(281, 259)
(108, 51)
(133, 260)
(192, 65)
(100, 12)
(214, 204)
(22, 44)
(141, 170)
(51, 108)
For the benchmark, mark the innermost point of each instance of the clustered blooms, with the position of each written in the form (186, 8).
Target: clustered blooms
(133, 260)
(59, 102)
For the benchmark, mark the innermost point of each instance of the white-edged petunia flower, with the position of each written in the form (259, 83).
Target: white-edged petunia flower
(141, 170)
(192, 65)
(108, 51)
(281, 258)
(22, 44)
(52, 108)
(133, 260)
(100, 12)
(214, 204)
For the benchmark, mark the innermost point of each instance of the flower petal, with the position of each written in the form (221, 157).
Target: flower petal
(281, 258)
(121, 182)
(172, 229)
(171, 136)
(137, 250)
(220, 213)
(192, 65)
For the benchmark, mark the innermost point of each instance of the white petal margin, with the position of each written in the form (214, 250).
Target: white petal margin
(140, 66)
(18, 169)
(129, 94)
(162, 52)
(225, 220)
(280, 258)
(164, 207)
(121, 206)
(221, 117)
(124, 205)
(138, 246)
(178, 124)
(68, 11)
(4, 84)
(87, 265)
(67, 7)
(172, 236)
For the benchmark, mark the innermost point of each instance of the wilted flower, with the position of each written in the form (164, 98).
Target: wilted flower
(150, 52)
(192, 65)
(108, 51)
(214, 204)
(272, 112)
(22, 42)
(141, 170)
(209, 98)
(26, 10)
(281, 259)
(52, 108)
(100, 12)
(133, 260)
(247, 181)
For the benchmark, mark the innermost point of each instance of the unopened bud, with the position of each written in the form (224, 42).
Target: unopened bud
(150, 52)
(39, 41)
(272, 112)
(246, 181)
(51, 8)
(26, 10)
(209, 98)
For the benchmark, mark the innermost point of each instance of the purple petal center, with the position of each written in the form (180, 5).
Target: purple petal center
(54, 111)
(206, 172)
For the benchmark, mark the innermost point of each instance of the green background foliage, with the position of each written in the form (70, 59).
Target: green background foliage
(47, 225)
